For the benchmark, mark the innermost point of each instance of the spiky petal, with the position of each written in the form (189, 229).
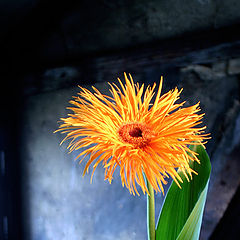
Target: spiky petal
(130, 130)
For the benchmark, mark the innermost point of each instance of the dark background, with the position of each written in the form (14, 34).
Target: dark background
(50, 46)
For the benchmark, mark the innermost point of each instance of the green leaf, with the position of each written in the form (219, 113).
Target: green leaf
(181, 214)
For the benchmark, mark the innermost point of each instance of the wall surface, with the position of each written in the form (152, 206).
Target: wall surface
(59, 203)
(52, 32)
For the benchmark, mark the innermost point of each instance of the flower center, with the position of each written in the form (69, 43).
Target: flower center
(137, 134)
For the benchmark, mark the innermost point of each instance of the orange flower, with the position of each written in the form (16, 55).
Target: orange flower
(129, 131)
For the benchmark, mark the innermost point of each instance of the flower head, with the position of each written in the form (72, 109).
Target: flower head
(131, 131)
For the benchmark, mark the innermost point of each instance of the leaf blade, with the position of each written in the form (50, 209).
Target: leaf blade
(179, 203)
(191, 229)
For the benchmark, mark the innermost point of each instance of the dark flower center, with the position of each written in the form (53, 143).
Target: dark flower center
(135, 132)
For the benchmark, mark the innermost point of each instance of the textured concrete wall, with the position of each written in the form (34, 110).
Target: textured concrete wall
(54, 30)
(119, 24)
(60, 204)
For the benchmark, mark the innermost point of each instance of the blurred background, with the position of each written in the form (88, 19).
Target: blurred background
(49, 47)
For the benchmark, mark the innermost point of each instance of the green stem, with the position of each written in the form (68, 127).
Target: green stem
(151, 212)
